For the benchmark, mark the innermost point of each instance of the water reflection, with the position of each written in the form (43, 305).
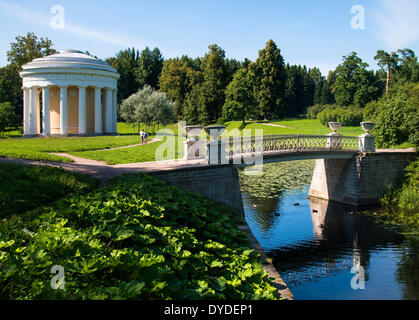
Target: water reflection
(315, 243)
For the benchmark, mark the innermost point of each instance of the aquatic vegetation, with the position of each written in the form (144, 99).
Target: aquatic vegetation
(277, 177)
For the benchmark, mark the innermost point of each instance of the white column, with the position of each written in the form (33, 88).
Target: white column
(82, 110)
(26, 111)
(108, 111)
(32, 111)
(63, 111)
(46, 127)
(38, 112)
(98, 110)
(115, 112)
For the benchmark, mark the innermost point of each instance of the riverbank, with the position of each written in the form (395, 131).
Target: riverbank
(399, 209)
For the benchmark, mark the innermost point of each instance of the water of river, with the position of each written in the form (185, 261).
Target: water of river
(315, 245)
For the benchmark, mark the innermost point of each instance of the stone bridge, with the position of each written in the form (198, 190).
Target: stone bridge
(348, 170)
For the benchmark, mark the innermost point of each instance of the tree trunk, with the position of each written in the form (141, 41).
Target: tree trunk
(388, 78)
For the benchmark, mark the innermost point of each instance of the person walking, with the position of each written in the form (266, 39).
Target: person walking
(142, 135)
(145, 136)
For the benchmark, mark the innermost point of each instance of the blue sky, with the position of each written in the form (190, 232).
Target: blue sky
(314, 33)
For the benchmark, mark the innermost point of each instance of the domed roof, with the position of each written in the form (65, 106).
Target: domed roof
(69, 58)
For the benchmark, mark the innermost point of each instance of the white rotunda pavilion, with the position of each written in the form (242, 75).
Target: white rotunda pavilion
(69, 93)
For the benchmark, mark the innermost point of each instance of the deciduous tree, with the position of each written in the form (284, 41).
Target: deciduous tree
(240, 102)
(354, 84)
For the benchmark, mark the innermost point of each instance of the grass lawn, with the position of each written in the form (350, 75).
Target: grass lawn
(144, 153)
(38, 149)
(135, 238)
(11, 134)
(24, 188)
(295, 126)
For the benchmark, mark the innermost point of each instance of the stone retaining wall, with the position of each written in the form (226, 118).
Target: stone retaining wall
(218, 183)
(359, 181)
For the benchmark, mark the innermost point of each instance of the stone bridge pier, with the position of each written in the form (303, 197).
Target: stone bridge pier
(360, 181)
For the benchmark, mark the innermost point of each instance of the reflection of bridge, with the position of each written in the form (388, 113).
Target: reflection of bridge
(339, 240)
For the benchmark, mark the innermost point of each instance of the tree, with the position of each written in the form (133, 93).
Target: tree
(389, 61)
(213, 87)
(408, 68)
(353, 83)
(319, 80)
(8, 117)
(126, 62)
(270, 77)
(23, 50)
(149, 107)
(232, 66)
(327, 96)
(149, 68)
(309, 89)
(300, 89)
(294, 93)
(11, 87)
(193, 99)
(177, 80)
(240, 102)
(26, 48)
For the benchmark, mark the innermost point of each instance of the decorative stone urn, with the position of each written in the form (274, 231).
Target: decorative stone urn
(194, 148)
(216, 149)
(335, 140)
(335, 126)
(193, 132)
(367, 140)
(367, 126)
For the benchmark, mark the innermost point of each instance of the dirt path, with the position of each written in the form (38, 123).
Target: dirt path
(103, 171)
(130, 146)
(276, 125)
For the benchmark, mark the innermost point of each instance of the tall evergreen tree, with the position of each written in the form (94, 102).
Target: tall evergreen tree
(214, 85)
(149, 68)
(408, 69)
(389, 61)
(126, 62)
(318, 79)
(327, 96)
(295, 100)
(309, 88)
(270, 76)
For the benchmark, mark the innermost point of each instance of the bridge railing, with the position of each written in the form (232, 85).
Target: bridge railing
(235, 146)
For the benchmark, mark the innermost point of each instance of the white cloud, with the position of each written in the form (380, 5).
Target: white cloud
(397, 23)
(29, 16)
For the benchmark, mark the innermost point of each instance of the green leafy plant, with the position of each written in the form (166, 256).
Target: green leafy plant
(136, 238)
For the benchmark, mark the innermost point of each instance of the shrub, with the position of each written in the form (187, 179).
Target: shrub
(401, 205)
(313, 111)
(8, 117)
(396, 116)
(349, 116)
